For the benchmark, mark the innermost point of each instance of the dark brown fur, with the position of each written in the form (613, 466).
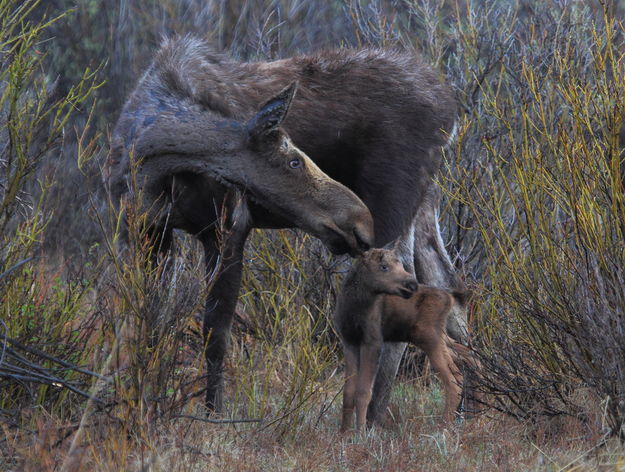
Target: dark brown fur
(379, 304)
(371, 119)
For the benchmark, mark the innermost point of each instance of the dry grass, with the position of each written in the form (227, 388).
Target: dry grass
(415, 443)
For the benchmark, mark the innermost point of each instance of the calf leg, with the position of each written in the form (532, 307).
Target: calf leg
(462, 353)
(367, 368)
(443, 363)
(471, 365)
(349, 391)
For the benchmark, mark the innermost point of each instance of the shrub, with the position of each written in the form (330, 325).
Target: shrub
(39, 304)
(536, 182)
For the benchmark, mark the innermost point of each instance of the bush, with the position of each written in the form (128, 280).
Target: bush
(541, 207)
(40, 305)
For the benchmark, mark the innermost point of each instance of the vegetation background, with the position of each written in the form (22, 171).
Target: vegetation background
(533, 214)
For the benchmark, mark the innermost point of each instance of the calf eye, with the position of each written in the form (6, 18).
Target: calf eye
(383, 267)
(295, 163)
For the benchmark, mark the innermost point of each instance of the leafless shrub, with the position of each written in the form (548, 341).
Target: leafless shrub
(537, 184)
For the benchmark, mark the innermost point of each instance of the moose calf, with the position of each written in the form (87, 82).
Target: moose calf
(367, 316)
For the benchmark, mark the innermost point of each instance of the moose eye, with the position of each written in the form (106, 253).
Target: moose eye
(383, 267)
(295, 163)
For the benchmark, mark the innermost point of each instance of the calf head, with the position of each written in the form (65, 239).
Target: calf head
(382, 272)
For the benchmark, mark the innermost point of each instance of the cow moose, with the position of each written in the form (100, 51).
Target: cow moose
(367, 121)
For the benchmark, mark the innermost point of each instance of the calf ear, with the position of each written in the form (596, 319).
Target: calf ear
(393, 245)
(272, 113)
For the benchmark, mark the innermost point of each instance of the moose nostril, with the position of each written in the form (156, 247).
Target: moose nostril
(362, 244)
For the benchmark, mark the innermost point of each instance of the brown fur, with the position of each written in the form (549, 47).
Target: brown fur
(379, 304)
(372, 119)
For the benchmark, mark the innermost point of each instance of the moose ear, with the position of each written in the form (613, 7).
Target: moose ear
(393, 245)
(272, 113)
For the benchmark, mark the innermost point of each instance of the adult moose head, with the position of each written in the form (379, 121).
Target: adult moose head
(174, 134)
(374, 120)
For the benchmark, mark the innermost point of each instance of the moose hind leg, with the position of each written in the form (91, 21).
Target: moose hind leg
(162, 242)
(432, 263)
(450, 375)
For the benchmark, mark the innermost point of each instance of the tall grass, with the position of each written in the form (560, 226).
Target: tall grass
(288, 347)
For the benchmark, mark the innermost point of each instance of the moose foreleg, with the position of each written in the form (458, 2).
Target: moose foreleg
(219, 312)
(392, 353)
(388, 365)
(367, 369)
(349, 391)
(432, 266)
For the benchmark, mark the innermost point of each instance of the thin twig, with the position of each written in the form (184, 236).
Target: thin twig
(208, 420)
(16, 266)
(48, 357)
(4, 342)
